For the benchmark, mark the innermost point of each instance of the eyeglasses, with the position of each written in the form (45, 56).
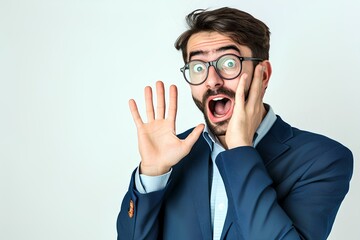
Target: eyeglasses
(227, 66)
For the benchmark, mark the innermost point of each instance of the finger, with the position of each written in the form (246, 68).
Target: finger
(135, 113)
(160, 95)
(190, 140)
(149, 104)
(172, 103)
(240, 95)
(255, 91)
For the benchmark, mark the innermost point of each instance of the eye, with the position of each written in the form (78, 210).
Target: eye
(229, 63)
(198, 68)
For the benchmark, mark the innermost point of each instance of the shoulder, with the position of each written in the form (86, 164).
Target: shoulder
(284, 132)
(318, 148)
(299, 155)
(317, 142)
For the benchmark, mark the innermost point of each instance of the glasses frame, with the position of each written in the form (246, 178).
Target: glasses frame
(214, 63)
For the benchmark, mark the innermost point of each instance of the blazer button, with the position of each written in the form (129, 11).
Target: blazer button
(131, 209)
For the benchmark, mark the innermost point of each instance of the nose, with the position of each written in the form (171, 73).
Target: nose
(213, 81)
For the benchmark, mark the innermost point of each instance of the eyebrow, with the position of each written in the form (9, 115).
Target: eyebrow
(222, 49)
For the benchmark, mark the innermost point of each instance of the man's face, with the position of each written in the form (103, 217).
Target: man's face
(216, 96)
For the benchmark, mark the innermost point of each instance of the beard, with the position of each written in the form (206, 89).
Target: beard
(219, 128)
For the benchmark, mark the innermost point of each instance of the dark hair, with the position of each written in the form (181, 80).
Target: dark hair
(239, 26)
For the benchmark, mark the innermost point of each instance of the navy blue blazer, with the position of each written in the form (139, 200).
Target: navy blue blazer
(289, 187)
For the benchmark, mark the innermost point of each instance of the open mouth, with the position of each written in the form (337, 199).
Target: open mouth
(219, 108)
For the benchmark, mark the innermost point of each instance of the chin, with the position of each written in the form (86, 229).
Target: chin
(218, 129)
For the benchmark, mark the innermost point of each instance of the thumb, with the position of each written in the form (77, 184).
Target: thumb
(190, 140)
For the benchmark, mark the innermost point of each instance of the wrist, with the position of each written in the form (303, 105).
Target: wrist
(151, 170)
(237, 142)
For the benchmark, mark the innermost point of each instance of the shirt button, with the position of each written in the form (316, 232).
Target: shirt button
(221, 206)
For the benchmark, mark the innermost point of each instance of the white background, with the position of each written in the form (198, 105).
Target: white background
(67, 69)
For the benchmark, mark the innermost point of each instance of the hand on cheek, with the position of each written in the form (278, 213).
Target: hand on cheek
(248, 113)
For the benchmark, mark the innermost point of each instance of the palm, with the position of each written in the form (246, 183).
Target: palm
(158, 142)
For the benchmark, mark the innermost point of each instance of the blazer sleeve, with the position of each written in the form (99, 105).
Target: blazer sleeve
(138, 217)
(308, 210)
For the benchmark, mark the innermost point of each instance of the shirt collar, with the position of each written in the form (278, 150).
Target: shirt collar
(262, 130)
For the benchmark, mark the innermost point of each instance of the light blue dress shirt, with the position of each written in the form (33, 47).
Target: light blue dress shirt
(218, 199)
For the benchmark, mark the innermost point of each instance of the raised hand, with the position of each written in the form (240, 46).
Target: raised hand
(159, 146)
(249, 113)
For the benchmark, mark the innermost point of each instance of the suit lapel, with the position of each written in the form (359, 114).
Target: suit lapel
(273, 144)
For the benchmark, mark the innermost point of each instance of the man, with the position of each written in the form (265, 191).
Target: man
(245, 174)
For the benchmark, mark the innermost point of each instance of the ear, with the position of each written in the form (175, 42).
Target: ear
(266, 74)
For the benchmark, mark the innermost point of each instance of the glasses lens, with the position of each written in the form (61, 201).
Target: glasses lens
(196, 72)
(228, 66)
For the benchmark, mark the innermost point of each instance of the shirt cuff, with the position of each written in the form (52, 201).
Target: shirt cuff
(148, 184)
